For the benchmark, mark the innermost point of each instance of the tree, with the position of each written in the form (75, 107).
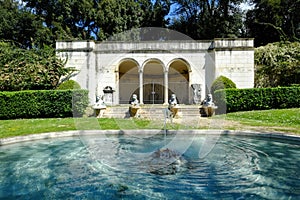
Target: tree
(207, 19)
(277, 64)
(21, 26)
(97, 19)
(273, 21)
(154, 13)
(66, 19)
(117, 16)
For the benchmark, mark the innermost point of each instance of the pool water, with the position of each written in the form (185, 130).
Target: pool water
(113, 167)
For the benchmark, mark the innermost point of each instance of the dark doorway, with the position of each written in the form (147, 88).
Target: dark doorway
(153, 93)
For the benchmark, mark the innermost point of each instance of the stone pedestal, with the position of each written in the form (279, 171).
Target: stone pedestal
(99, 109)
(208, 110)
(174, 110)
(99, 112)
(133, 111)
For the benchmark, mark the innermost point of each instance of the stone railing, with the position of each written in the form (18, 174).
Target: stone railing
(176, 46)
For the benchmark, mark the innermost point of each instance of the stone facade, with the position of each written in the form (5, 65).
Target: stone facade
(155, 70)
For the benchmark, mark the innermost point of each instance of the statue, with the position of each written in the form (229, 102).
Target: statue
(173, 100)
(208, 106)
(134, 100)
(165, 161)
(197, 93)
(134, 106)
(173, 105)
(208, 101)
(99, 106)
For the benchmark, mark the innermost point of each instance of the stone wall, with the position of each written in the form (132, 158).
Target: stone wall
(235, 60)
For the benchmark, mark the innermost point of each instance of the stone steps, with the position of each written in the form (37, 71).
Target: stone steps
(151, 111)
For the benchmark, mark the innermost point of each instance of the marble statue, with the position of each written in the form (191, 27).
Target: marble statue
(99, 106)
(208, 105)
(134, 106)
(173, 100)
(209, 100)
(173, 106)
(134, 100)
(196, 93)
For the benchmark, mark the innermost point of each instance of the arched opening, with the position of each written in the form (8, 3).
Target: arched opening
(153, 86)
(128, 80)
(178, 76)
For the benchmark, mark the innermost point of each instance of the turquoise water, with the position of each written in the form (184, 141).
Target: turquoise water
(113, 167)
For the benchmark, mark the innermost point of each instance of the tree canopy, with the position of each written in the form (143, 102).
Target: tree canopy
(273, 21)
(207, 19)
(89, 19)
(21, 26)
(34, 23)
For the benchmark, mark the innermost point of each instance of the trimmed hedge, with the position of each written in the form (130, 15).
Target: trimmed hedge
(43, 103)
(222, 82)
(233, 100)
(69, 85)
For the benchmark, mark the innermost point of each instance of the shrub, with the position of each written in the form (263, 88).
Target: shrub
(222, 82)
(43, 103)
(232, 100)
(69, 85)
(277, 64)
(34, 69)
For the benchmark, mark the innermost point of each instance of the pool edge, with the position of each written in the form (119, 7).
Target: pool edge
(49, 135)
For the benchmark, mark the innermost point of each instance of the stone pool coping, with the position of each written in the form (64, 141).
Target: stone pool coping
(41, 136)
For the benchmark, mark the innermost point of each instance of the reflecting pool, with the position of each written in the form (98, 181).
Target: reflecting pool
(115, 167)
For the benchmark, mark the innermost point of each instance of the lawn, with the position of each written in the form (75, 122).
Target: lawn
(285, 120)
(18, 127)
(282, 120)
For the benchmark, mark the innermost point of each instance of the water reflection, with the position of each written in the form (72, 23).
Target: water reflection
(111, 167)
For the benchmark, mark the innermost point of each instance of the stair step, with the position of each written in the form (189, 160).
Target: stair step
(150, 111)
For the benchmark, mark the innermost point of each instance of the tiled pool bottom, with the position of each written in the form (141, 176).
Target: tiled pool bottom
(110, 166)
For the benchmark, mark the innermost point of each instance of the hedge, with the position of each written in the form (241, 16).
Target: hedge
(222, 82)
(69, 85)
(43, 103)
(233, 100)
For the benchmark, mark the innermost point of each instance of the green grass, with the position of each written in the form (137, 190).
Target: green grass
(19, 127)
(9, 128)
(285, 120)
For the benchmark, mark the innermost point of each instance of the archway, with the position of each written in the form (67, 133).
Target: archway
(179, 76)
(153, 86)
(128, 80)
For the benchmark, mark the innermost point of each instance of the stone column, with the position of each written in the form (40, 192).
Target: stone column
(166, 84)
(141, 86)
